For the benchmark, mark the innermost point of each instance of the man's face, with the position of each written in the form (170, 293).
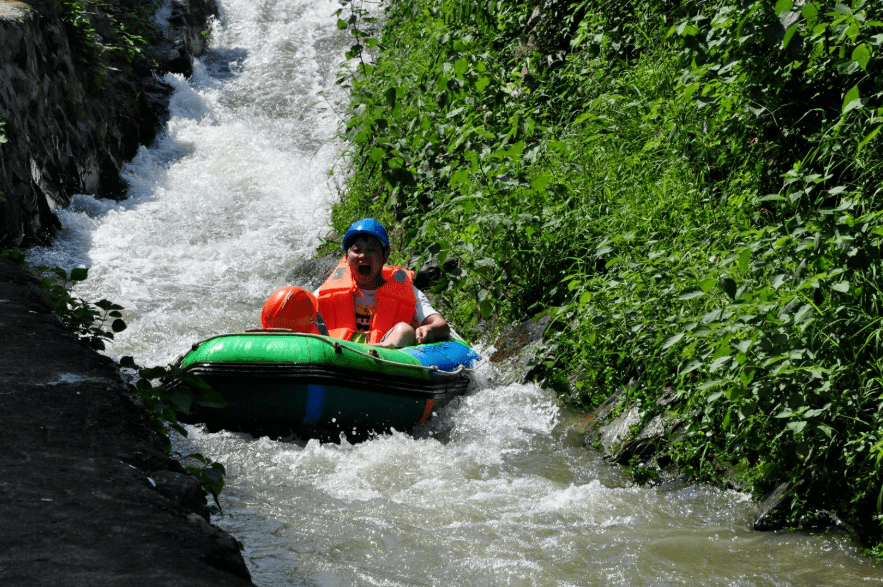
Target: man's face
(366, 258)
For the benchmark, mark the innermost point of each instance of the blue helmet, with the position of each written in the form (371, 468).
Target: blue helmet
(366, 226)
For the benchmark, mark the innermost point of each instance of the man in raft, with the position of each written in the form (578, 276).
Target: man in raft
(363, 300)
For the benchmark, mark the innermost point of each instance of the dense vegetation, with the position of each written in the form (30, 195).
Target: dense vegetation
(690, 188)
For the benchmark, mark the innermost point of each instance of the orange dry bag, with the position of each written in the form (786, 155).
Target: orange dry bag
(292, 308)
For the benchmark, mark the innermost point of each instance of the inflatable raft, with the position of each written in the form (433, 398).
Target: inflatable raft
(281, 383)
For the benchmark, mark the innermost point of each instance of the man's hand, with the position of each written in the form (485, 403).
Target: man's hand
(433, 329)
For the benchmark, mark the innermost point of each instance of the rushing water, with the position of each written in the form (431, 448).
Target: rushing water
(495, 490)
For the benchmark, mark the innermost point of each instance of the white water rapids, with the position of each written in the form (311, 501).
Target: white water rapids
(495, 490)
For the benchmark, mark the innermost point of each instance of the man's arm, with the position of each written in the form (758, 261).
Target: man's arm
(434, 329)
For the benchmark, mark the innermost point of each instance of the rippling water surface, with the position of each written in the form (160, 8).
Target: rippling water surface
(497, 489)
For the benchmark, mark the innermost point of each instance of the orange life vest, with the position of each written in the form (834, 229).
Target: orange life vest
(396, 302)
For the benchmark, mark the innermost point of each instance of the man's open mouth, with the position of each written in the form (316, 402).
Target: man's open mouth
(365, 269)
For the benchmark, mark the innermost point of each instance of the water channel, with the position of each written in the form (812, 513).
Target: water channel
(495, 490)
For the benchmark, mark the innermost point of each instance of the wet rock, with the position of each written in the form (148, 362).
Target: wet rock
(184, 35)
(515, 349)
(613, 435)
(773, 507)
(183, 490)
(600, 414)
(618, 439)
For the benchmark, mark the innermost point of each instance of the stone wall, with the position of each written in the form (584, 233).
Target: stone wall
(88, 495)
(71, 115)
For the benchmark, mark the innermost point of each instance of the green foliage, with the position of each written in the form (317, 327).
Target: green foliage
(691, 189)
(176, 393)
(210, 473)
(641, 473)
(85, 36)
(3, 138)
(94, 323)
(102, 29)
(802, 81)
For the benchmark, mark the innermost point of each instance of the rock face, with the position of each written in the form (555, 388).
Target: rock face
(515, 349)
(74, 110)
(88, 495)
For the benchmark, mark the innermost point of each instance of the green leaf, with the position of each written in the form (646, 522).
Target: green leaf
(867, 139)
(798, 426)
(862, 55)
(481, 83)
(118, 325)
(487, 308)
(458, 178)
(391, 94)
(377, 154)
(718, 363)
(691, 366)
(183, 400)
(603, 250)
(341, 24)
(851, 100)
(803, 313)
(584, 298)
(707, 285)
(744, 259)
(104, 304)
(460, 67)
(816, 412)
(789, 34)
(672, 340)
(729, 287)
(842, 287)
(79, 274)
(691, 294)
(783, 6)
(128, 361)
(810, 12)
(716, 394)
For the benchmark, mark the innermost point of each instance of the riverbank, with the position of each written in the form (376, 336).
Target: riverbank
(688, 191)
(87, 494)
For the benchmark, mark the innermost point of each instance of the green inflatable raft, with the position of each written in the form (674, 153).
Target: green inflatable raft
(282, 383)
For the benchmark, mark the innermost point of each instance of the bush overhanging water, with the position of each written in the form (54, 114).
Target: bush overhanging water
(690, 188)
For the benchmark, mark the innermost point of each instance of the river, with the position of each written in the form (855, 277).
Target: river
(497, 489)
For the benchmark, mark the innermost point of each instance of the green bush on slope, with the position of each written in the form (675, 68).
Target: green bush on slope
(690, 188)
